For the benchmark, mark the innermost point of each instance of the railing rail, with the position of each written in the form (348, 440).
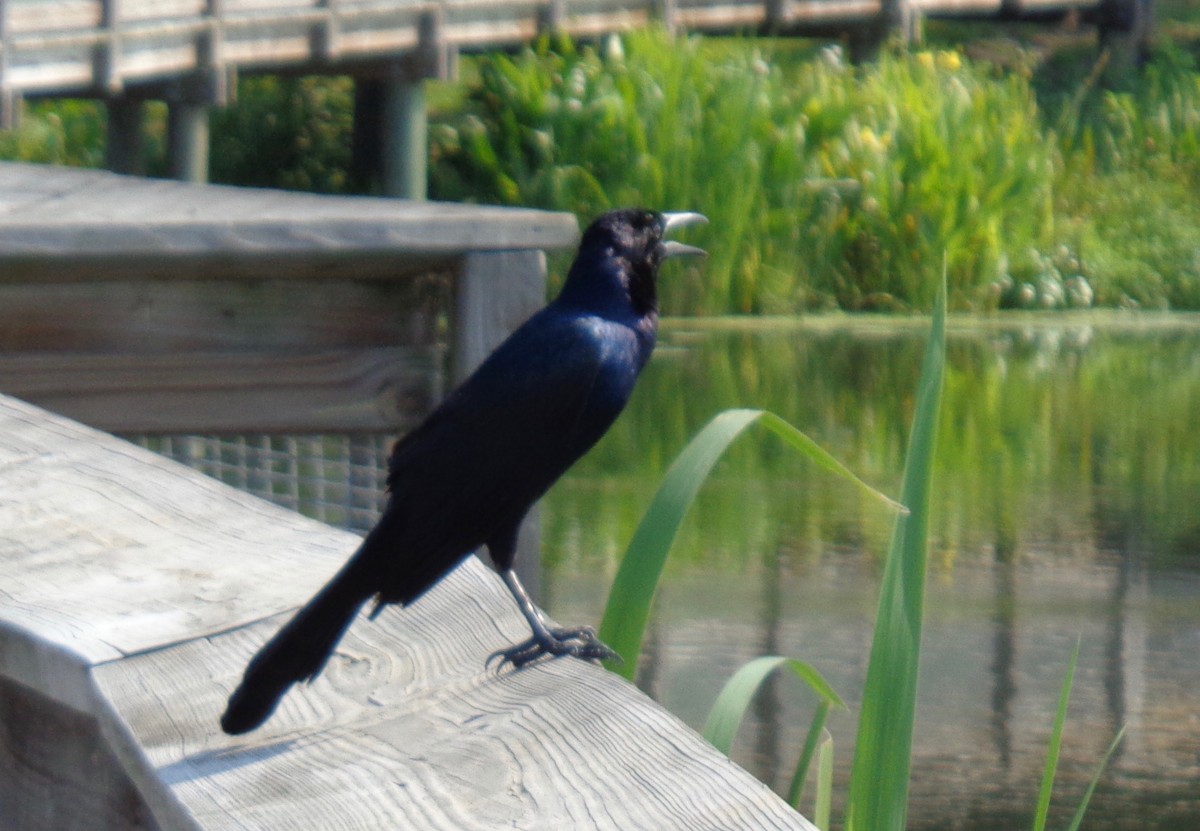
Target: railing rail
(104, 46)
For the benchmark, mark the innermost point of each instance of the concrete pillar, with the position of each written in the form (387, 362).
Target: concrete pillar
(1125, 30)
(895, 19)
(187, 140)
(406, 139)
(391, 137)
(123, 141)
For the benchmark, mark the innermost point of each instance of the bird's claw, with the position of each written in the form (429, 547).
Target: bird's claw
(578, 642)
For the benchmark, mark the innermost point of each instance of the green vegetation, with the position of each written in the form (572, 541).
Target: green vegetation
(826, 184)
(68, 132)
(829, 185)
(632, 591)
(1052, 753)
(883, 749)
(734, 700)
(879, 779)
(286, 132)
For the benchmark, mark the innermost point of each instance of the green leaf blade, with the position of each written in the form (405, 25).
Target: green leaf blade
(1055, 745)
(878, 797)
(735, 697)
(632, 593)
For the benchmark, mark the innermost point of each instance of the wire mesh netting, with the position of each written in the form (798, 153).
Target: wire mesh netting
(338, 479)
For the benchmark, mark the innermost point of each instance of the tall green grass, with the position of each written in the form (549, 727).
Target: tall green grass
(826, 184)
(1129, 184)
(831, 185)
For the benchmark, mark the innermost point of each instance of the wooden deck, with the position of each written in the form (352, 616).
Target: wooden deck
(135, 590)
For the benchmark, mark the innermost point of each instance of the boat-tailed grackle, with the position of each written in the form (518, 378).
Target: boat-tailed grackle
(468, 474)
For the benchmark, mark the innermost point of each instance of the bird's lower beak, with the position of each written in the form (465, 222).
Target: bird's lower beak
(681, 219)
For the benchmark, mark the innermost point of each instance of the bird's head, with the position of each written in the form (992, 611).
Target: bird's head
(621, 252)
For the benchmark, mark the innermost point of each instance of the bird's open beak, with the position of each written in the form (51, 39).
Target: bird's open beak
(682, 219)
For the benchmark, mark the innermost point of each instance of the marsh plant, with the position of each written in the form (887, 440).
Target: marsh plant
(877, 797)
(827, 184)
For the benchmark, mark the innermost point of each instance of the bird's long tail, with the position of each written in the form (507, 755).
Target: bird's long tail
(298, 652)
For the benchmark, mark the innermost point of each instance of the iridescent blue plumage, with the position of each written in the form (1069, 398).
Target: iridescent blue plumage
(469, 473)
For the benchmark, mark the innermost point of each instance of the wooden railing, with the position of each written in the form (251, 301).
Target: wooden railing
(104, 46)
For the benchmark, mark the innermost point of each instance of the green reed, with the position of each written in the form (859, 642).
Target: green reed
(825, 183)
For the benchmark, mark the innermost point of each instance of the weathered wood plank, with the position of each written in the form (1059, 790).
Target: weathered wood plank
(378, 390)
(150, 586)
(150, 317)
(156, 306)
(57, 770)
(49, 215)
(124, 562)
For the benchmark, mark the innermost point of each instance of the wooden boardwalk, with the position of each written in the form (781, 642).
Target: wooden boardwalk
(104, 46)
(133, 592)
(190, 52)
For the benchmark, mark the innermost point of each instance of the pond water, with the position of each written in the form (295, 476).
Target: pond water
(1068, 470)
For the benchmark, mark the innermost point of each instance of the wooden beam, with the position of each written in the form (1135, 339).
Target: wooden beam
(374, 390)
(50, 226)
(156, 317)
(483, 318)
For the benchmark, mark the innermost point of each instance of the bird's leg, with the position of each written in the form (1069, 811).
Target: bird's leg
(577, 641)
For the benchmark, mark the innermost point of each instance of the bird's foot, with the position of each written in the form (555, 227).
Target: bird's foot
(577, 641)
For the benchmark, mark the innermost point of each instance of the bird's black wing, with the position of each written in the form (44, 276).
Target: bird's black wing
(475, 466)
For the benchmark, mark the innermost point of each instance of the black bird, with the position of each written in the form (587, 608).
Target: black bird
(469, 473)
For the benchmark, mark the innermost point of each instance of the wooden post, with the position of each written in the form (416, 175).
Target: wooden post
(664, 12)
(552, 17)
(778, 13)
(405, 145)
(366, 142)
(496, 292)
(123, 143)
(1125, 30)
(187, 140)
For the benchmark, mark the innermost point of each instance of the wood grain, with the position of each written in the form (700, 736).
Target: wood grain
(380, 390)
(72, 225)
(151, 586)
(151, 306)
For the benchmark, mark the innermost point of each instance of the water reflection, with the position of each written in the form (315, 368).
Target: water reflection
(1068, 467)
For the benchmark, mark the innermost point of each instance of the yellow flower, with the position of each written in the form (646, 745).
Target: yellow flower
(869, 140)
(925, 59)
(950, 60)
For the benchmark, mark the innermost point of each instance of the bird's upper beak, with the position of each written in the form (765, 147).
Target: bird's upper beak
(682, 219)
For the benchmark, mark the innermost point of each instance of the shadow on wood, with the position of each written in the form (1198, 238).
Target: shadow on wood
(135, 590)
